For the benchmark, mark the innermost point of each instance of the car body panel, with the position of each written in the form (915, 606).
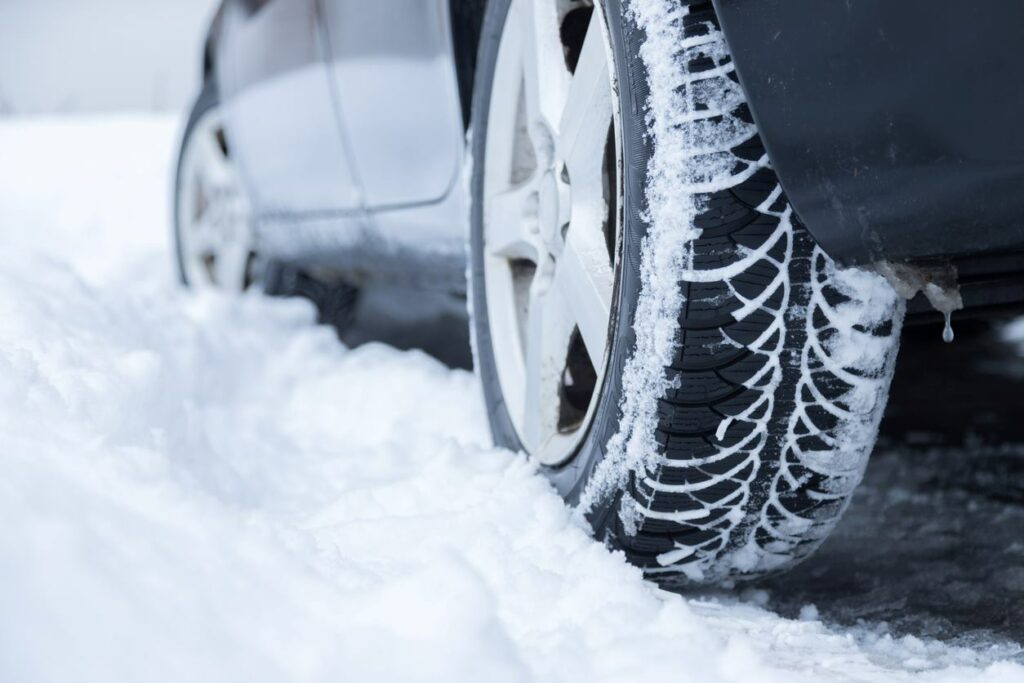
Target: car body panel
(897, 128)
(346, 122)
(278, 109)
(422, 246)
(397, 97)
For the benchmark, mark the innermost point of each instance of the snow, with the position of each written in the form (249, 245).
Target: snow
(201, 488)
(663, 251)
(938, 285)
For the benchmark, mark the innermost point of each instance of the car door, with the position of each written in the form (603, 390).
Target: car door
(397, 97)
(279, 109)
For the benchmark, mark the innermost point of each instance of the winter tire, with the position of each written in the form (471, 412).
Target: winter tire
(213, 234)
(652, 323)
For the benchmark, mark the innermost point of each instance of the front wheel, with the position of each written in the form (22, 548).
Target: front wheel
(653, 324)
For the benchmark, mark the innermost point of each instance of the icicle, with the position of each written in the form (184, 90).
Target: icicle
(937, 283)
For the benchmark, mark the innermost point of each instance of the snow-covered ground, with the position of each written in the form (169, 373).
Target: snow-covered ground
(199, 488)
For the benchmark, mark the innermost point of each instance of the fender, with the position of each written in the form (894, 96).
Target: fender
(897, 128)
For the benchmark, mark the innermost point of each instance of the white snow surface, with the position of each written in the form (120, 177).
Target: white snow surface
(201, 488)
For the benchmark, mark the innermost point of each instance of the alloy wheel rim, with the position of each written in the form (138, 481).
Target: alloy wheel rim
(214, 218)
(551, 225)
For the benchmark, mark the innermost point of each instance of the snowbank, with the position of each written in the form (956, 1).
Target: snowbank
(199, 488)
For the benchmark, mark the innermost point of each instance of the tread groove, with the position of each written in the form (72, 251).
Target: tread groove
(751, 367)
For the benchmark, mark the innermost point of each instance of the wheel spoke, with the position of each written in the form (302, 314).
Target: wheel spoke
(585, 280)
(546, 187)
(202, 235)
(215, 167)
(585, 273)
(545, 79)
(511, 221)
(586, 119)
(547, 348)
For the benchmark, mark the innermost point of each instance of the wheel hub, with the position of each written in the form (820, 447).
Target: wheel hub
(548, 206)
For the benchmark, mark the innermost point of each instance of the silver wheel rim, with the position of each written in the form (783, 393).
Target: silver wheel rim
(214, 221)
(551, 219)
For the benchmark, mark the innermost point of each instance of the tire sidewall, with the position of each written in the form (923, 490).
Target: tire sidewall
(571, 478)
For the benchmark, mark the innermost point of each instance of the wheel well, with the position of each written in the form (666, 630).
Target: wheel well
(210, 42)
(466, 19)
(207, 62)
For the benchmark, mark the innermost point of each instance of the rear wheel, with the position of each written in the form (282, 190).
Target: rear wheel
(212, 221)
(652, 322)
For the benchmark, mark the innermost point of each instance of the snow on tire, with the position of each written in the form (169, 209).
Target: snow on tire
(747, 373)
(781, 363)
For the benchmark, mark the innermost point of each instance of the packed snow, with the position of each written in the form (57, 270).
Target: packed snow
(200, 488)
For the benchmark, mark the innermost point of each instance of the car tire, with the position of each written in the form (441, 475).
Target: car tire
(745, 373)
(213, 236)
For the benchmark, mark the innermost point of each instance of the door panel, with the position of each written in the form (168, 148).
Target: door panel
(280, 119)
(398, 99)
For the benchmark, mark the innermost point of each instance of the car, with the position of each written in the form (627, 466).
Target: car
(687, 232)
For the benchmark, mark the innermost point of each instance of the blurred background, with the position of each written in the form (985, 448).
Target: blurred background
(70, 56)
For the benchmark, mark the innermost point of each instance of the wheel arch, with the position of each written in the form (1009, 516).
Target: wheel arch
(892, 126)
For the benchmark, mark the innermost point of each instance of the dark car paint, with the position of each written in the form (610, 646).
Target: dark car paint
(896, 127)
